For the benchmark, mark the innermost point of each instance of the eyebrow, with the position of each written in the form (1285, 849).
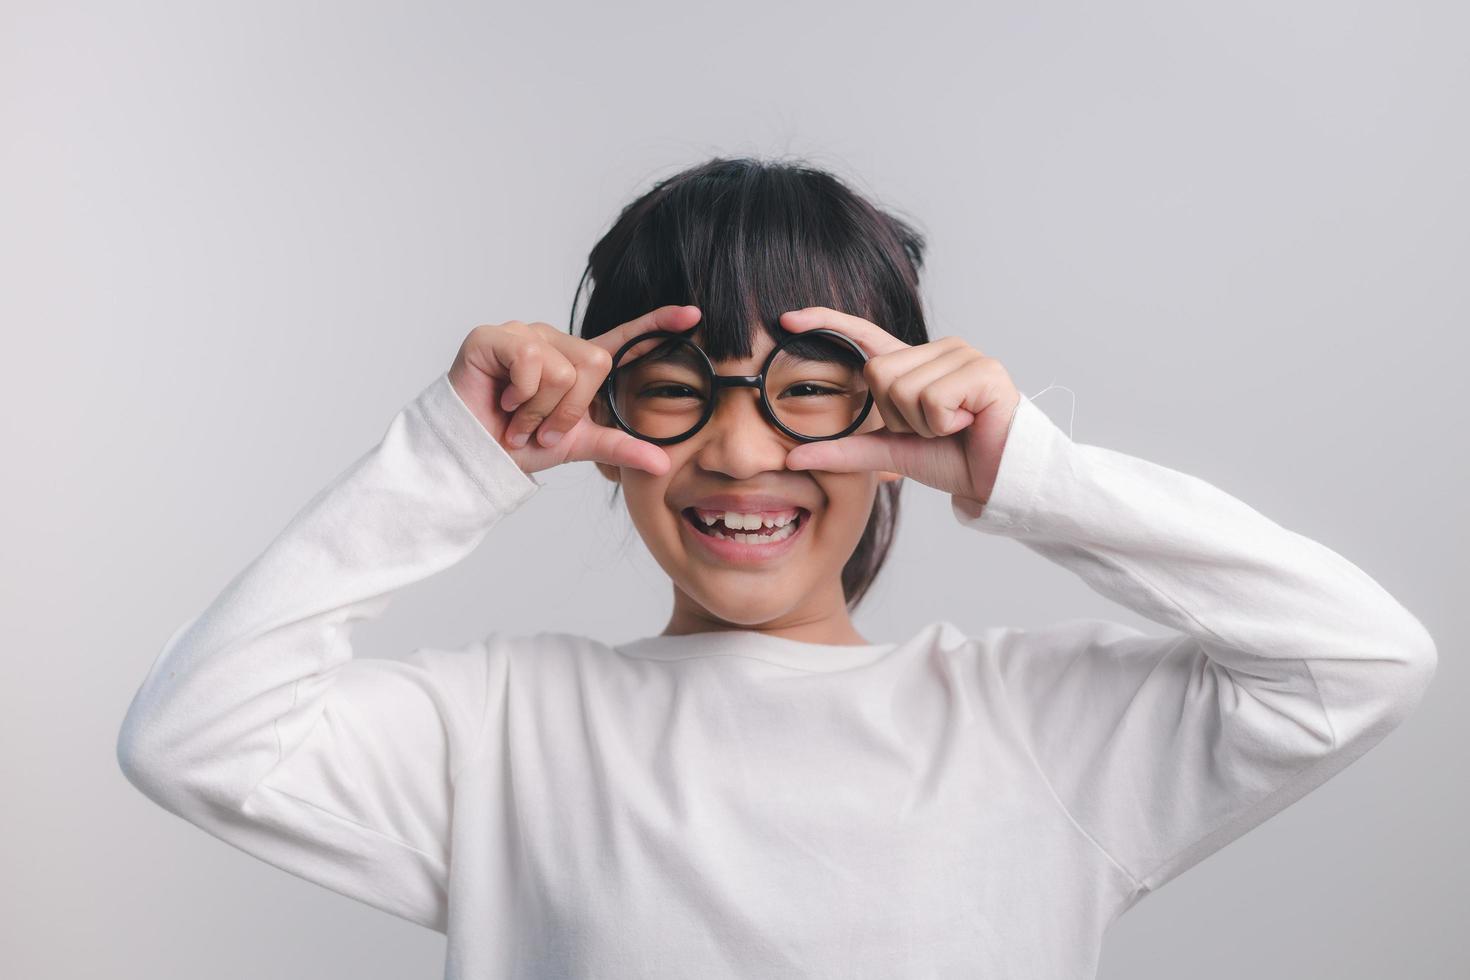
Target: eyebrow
(662, 352)
(821, 351)
(817, 350)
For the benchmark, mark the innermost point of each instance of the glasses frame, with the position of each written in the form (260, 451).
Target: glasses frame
(720, 382)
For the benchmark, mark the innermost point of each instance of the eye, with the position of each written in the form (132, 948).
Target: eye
(669, 391)
(809, 390)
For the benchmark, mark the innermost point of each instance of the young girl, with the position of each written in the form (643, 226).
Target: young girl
(758, 789)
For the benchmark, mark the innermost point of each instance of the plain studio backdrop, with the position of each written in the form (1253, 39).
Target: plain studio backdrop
(237, 238)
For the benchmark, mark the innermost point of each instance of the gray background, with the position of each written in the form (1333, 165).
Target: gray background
(236, 241)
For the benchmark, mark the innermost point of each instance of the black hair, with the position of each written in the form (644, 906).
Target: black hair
(745, 240)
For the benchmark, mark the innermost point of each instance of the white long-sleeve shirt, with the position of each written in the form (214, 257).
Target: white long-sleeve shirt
(736, 804)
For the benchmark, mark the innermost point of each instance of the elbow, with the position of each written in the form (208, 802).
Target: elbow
(184, 777)
(156, 769)
(149, 759)
(1423, 658)
(1372, 692)
(180, 741)
(136, 756)
(1416, 660)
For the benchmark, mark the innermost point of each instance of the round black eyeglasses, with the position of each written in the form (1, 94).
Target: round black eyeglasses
(847, 352)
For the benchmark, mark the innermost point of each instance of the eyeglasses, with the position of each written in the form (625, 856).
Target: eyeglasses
(662, 386)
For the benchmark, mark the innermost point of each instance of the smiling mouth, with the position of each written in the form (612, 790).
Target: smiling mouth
(756, 536)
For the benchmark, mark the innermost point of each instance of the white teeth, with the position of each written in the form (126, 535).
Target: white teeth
(737, 521)
(731, 524)
(782, 533)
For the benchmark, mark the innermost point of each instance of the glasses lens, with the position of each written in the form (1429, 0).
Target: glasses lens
(660, 387)
(816, 386)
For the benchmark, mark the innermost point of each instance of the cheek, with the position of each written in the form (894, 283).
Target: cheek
(643, 494)
(646, 497)
(850, 498)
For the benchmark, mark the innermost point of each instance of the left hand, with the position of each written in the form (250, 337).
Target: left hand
(946, 409)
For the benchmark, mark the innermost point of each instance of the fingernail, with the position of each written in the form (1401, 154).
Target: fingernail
(550, 438)
(519, 439)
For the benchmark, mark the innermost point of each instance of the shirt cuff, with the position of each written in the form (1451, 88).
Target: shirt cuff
(1034, 446)
(482, 457)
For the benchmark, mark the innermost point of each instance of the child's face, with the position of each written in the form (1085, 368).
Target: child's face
(738, 452)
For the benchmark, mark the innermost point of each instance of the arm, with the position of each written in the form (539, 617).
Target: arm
(1288, 663)
(256, 723)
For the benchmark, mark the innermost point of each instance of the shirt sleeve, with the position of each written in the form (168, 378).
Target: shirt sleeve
(1287, 661)
(256, 723)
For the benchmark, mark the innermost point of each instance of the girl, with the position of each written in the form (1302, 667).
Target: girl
(758, 789)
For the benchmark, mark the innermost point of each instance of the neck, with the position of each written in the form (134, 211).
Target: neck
(827, 622)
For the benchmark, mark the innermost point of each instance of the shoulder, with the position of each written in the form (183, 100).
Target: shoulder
(1016, 653)
(493, 659)
(545, 651)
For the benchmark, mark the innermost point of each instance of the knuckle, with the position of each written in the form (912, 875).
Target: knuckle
(987, 367)
(876, 371)
(597, 357)
(560, 373)
(901, 390)
(530, 416)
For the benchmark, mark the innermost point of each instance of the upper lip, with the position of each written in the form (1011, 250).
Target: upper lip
(746, 503)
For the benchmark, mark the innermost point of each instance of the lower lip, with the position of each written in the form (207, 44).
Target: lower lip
(731, 550)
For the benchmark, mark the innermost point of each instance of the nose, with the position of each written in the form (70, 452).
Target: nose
(738, 440)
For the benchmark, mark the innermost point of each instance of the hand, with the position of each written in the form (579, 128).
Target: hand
(524, 378)
(946, 409)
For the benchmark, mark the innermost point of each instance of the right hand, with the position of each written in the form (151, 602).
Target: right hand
(534, 380)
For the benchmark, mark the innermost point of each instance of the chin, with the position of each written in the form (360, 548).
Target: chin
(751, 605)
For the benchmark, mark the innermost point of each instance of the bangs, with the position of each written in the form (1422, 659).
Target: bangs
(745, 241)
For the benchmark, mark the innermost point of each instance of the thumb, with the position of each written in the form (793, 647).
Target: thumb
(603, 444)
(877, 450)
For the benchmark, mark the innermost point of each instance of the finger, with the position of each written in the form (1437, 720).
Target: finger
(894, 363)
(521, 358)
(954, 401)
(592, 364)
(913, 393)
(882, 371)
(663, 318)
(557, 377)
(971, 391)
(589, 441)
(851, 454)
(873, 339)
(893, 419)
